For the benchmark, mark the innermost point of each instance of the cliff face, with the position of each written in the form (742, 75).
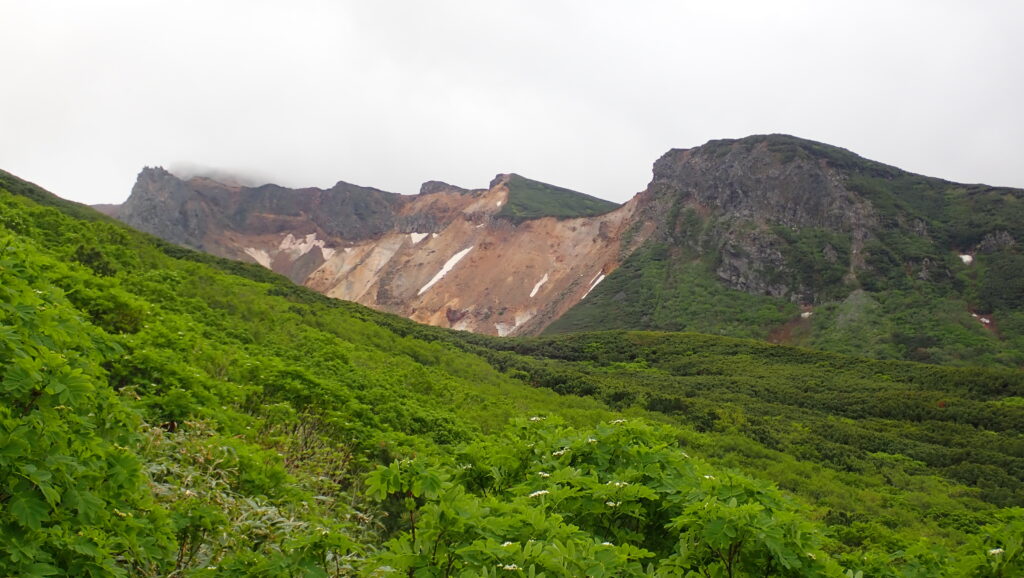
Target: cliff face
(448, 256)
(737, 204)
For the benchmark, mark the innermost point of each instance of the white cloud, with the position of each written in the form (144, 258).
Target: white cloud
(580, 94)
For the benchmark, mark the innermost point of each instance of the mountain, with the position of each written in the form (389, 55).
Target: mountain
(168, 412)
(503, 260)
(770, 236)
(794, 241)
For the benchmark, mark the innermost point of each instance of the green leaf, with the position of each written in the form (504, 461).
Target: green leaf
(29, 510)
(12, 448)
(40, 569)
(19, 380)
(427, 484)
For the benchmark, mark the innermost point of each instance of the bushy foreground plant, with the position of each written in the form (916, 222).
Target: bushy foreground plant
(73, 496)
(621, 499)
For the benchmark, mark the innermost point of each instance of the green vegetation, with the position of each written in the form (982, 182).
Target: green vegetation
(164, 412)
(529, 199)
(663, 288)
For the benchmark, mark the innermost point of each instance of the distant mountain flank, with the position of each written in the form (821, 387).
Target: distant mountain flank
(449, 256)
(791, 240)
(769, 236)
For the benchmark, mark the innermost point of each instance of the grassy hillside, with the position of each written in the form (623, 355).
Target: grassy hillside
(164, 412)
(663, 288)
(529, 199)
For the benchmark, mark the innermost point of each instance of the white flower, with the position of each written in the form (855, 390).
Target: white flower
(536, 418)
(812, 556)
(995, 551)
(617, 421)
(560, 452)
(467, 467)
(607, 544)
(685, 455)
(708, 477)
(539, 493)
(510, 567)
(591, 441)
(544, 474)
(613, 504)
(507, 544)
(618, 484)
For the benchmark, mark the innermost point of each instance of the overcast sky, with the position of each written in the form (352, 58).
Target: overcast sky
(583, 94)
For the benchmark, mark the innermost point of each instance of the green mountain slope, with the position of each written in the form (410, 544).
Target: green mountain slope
(881, 262)
(529, 199)
(164, 412)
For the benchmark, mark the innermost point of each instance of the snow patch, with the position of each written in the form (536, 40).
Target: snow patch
(806, 314)
(417, 237)
(504, 328)
(433, 235)
(462, 325)
(967, 259)
(259, 255)
(594, 283)
(445, 269)
(985, 320)
(524, 316)
(299, 247)
(537, 287)
(348, 249)
(327, 253)
(480, 225)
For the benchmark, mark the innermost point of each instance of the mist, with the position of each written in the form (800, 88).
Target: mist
(241, 178)
(584, 95)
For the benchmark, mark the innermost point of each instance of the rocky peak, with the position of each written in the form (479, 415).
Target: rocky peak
(500, 179)
(774, 179)
(161, 203)
(744, 203)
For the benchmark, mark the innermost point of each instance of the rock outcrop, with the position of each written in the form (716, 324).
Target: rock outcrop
(741, 193)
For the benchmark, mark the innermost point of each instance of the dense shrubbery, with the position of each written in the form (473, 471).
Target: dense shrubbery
(164, 413)
(659, 289)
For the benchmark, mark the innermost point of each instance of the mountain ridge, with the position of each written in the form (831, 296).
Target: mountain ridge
(385, 250)
(772, 235)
